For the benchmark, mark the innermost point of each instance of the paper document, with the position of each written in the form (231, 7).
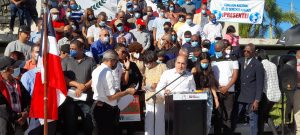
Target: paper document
(71, 93)
(125, 101)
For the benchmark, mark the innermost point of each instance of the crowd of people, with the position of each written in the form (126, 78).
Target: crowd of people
(145, 47)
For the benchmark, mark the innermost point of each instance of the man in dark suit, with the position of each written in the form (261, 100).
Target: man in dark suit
(251, 86)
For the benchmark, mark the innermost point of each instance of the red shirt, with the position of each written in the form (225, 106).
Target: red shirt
(58, 24)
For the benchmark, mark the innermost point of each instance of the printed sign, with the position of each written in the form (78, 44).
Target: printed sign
(107, 6)
(246, 11)
(132, 111)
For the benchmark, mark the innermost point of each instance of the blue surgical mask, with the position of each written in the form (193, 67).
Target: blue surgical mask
(188, 2)
(102, 23)
(214, 21)
(175, 1)
(187, 39)
(137, 15)
(204, 65)
(129, 9)
(120, 28)
(73, 6)
(171, 8)
(73, 53)
(162, 14)
(194, 44)
(16, 73)
(106, 39)
(189, 21)
(218, 54)
(203, 11)
(174, 38)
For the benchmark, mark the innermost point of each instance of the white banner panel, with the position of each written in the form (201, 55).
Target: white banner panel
(107, 6)
(247, 11)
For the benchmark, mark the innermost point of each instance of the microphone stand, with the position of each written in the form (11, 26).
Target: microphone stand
(154, 97)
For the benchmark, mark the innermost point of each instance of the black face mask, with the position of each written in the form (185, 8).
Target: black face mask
(167, 29)
(67, 35)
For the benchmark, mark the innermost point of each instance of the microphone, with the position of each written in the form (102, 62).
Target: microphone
(181, 74)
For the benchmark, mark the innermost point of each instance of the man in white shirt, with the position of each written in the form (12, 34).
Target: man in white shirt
(189, 26)
(106, 111)
(93, 32)
(185, 83)
(212, 29)
(226, 73)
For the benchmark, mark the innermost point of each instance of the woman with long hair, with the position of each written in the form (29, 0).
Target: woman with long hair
(206, 82)
(88, 20)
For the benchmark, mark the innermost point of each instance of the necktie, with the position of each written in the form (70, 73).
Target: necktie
(246, 63)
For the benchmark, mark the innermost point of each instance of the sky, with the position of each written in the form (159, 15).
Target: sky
(286, 6)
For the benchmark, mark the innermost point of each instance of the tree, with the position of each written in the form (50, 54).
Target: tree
(272, 18)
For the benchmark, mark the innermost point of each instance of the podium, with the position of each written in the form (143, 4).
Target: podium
(185, 114)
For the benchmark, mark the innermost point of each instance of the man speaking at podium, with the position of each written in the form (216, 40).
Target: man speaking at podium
(183, 84)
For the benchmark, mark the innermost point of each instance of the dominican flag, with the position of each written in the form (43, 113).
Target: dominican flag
(57, 90)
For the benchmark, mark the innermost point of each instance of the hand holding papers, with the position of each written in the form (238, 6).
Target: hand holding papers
(72, 94)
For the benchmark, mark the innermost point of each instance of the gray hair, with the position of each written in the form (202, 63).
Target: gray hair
(220, 44)
(110, 55)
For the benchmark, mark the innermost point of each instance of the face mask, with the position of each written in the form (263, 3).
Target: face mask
(187, 39)
(102, 23)
(54, 17)
(120, 28)
(73, 7)
(189, 21)
(204, 50)
(227, 51)
(218, 54)
(181, 19)
(129, 9)
(36, 56)
(16, 73)
(137, 15)
(73, 53)
(175, 1)
(204, 65)
(148, 65)
(74, 28)
(188, 2)
(159, 61)
(214, 21)
(68, 14)
(67, 34)
(166, 29)
(162, 14)
(298, 61)
(106, 40)
(91, 17)
(194, 44)
(203, 11)
(136, 55)
(65, 6)
(171, 8)
(174, 38)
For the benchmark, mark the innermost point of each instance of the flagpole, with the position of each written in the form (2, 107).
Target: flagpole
(45, 50)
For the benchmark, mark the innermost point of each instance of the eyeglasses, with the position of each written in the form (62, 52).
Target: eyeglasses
(247, 51)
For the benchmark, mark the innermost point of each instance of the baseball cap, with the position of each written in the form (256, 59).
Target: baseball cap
(140, 22)
(6, 62)
(54, 10)
(118, 22)
(24, 28)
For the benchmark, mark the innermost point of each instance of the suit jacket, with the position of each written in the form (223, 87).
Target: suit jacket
(251, 81)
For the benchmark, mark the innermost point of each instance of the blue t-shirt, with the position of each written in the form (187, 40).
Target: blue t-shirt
(98, 48)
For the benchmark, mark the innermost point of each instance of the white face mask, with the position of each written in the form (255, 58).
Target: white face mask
(204, 50)
(16, 73)
(227, 51)
(148, 66)
(298, 61)
(54, 17)
(136, 55)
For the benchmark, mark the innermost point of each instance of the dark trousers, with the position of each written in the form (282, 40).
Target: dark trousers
(69, 115)
(289, 105)
(107, 119)
(265, 106)
(223, 115)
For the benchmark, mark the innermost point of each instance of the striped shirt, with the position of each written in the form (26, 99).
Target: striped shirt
(76, 15)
